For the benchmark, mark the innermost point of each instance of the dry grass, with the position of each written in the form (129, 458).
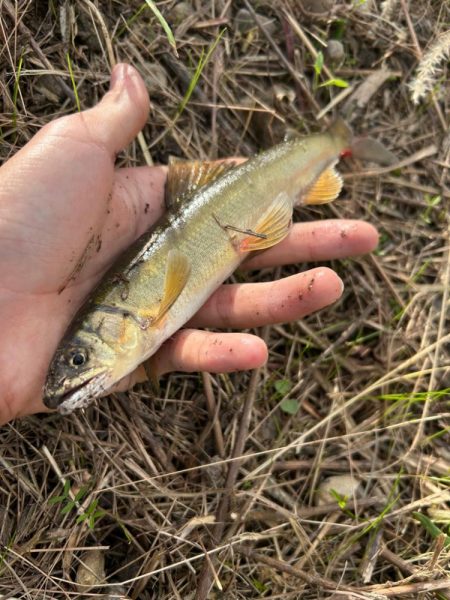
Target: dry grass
(371, 374)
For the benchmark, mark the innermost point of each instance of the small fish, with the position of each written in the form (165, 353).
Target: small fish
(218, 214)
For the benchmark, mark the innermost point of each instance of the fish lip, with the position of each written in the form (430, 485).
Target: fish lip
(80, 396)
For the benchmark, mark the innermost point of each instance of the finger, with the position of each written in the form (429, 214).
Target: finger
(73, 155)
(191, 350)
(138, 202)
(246, 305)
(116, 119)
(318, 240)
(122, 113)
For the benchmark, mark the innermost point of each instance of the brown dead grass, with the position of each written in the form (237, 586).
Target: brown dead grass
(371, 374)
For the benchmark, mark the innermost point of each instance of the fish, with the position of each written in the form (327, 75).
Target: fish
(218, 214)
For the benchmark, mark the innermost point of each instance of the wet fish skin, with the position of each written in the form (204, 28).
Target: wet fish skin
(194, 250)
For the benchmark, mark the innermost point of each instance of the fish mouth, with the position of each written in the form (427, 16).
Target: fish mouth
(79, 396)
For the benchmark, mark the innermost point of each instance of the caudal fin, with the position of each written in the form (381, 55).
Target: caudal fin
(366, 148)
(362, 148)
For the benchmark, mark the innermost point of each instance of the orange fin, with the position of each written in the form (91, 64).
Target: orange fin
(325, 189)
(272, 228)
(177, 275)
(184, 178)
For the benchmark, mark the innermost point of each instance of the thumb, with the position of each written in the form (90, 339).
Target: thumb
(122, 112)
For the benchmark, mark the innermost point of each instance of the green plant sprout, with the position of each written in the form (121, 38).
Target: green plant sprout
(91, 515)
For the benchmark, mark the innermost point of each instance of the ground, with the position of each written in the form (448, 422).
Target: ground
(359, 392)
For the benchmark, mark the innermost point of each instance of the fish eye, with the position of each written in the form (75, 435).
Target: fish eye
(78, 358)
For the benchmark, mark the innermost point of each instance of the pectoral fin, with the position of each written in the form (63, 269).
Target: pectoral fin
(177, 275)
(273, 227)
(327, 188)
(184, 178)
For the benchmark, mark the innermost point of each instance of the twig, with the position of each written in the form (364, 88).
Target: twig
(24, 30)
(405, 566)
(285, 567)
(283, 59)
(377, 264)
(437, 352)
(389, 590)
(412, 31)
(304, 38)
(207, 575)
(419, 54)
(394, 590)
(213, 414)
(107, 37)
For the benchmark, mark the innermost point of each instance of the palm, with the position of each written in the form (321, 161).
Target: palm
(61, 200)
(47, 231)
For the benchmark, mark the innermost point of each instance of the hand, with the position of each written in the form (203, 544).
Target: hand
(61, 190)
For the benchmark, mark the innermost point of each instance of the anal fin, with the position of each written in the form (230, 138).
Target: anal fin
(325, 189)
(177, 274)
(272, 228)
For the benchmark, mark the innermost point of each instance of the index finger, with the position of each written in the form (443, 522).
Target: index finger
(316, 241)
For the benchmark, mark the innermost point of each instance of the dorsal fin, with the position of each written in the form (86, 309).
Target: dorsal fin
(184, 178)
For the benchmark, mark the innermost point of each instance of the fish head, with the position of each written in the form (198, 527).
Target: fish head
(93, 355)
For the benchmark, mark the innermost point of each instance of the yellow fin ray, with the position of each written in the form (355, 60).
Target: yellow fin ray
(177, 275)
(274, 226)
(326, 189)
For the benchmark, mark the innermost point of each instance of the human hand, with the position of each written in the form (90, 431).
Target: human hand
(60, 194)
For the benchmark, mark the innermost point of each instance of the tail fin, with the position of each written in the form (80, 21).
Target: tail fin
(366, 148)
(363, 148)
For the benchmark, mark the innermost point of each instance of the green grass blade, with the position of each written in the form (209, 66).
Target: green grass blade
(336, 82)
(431, 528)
(164, 24)
(16, 89)
(74, 85)
(130, 21)
(204, 58)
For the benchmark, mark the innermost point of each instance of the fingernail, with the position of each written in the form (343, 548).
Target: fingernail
(341, 283)
(118, 75)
